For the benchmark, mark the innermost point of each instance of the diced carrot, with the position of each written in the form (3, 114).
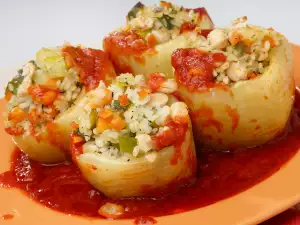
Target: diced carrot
(251, 75)
(143, 94)
(102, 125)
(118, 123)
(123, 100)
(42, 95)
(68, 60)
(16, 115)
(8, 95)
(77, 139)
(108, 96)
(166, 4)
(106, 114)
(33, 116)
(271, 40)
(235, 38)
(151, 39)
(49, 97)
(74, 125)
(247, 42)
(51, 83)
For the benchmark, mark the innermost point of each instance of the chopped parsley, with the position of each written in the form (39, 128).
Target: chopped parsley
(34, 63)
(14, 84)
(132, 13)
(117, 107)
(78, 133)
(78, 84)
(240, 48)
(166, 21)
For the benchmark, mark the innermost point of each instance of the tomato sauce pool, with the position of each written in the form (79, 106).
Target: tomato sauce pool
(220, 175)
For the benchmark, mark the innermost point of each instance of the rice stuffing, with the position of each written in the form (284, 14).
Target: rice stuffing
(125, 120)
(42, 89)
(163, 22)
(246, 49)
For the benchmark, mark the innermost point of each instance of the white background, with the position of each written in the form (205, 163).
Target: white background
(26, 26)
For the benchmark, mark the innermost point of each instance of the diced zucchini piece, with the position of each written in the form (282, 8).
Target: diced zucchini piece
(40, 77)
(52, 62)
(127, 144)
(93, 118)
(117, 107)
(143, 33)
(240, 48)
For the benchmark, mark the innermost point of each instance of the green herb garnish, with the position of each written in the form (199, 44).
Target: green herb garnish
(34, 63)
(117, 107)
(78, 133)
(240, 48)
(154, 125)
(135, 9)
(78, 84)
(166, 21)
(14, 84)
(115, 145)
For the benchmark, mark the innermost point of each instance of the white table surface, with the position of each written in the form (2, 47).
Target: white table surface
(27, 25)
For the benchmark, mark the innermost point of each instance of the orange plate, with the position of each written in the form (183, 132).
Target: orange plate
(270, 197)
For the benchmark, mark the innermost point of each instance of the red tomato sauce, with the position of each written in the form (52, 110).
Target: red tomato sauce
(234, 115)
(206, 113)
(175, 135)
(7, 216)
(144, 220)
(220, 175)
(186, 27)
(194, 68)
(155, 80)
(125, 44)
(93, 65)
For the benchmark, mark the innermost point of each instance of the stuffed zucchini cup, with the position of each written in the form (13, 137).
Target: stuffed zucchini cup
(238, 85)
(42, 98)
(152, 33)
(136, 142)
